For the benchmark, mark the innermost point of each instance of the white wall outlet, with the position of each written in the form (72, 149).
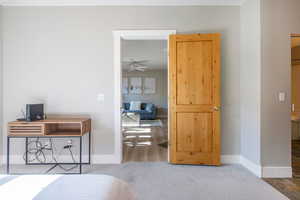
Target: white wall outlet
(70, 142)
(100, 97)
(281, 96)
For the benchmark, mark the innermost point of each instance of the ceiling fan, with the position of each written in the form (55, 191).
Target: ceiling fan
(136, 65)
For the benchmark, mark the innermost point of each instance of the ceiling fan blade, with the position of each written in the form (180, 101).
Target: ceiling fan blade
(140, 65)
(135, 65)
(141, 61)
(143, 68)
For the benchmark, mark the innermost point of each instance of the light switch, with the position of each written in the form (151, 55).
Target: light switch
(100, 97)
(281, 96)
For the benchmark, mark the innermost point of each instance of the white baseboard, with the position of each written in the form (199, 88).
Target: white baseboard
(230, 159)
(277, 172)
(259, 171)
(112, 159)
(251, 166)
(95, 159)
(266, 172)
(105, 159)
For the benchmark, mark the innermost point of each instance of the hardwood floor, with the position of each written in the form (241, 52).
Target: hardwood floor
(141, 144)
(290, 187)
(296, 158)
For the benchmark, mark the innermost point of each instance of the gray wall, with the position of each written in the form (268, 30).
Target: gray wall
(250, 74)
(160, 98)
(154, 52)
(64, 57)
(279, 20)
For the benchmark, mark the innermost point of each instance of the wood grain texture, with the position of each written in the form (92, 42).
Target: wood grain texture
(296, 158)
(15, 129)
(290, 187)
(50, 127)
(194, 75)
(195, 132)
(296, 87)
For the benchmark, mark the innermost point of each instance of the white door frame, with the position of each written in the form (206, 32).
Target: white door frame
(127, 35)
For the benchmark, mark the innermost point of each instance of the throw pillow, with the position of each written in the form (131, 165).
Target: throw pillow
(135, 105)
(149, 107)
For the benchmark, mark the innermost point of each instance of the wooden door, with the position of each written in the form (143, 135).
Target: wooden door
(194, 75)
(296, 89)
(295, 75)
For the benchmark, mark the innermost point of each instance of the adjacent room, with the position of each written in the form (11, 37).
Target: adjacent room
(145, 100)
(149, 99)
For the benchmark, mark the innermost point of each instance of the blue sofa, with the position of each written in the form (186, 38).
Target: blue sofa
(148, 110)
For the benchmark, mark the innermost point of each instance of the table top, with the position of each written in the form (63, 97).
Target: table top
(54, 120)
(58, 127)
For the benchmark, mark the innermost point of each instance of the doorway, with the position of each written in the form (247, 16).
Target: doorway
(119, 37)
(295, 115)
(144, 100)
(193, 95)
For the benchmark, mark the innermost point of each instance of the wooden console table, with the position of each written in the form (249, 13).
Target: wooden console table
(51, 128)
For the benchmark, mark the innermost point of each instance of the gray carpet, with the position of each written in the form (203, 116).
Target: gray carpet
(161, 181)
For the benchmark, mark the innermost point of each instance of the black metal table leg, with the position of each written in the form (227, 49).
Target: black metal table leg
(80, 163)
(7, 155)
(80, 154)
(26, 150)
(51, 168)
(90, 147)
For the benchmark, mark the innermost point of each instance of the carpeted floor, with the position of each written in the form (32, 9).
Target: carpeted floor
(162, 181)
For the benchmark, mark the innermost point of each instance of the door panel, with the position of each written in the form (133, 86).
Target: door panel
(194, 99)
(194, 129)
(194, 72)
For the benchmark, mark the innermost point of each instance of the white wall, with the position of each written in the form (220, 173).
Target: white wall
(160, 98)
(279, 20)
(250, 75)
(64, 56)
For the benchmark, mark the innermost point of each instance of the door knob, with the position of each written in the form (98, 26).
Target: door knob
(216, 108)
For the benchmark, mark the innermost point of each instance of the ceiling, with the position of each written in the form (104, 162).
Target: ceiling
(155, 51)
(122, 2)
